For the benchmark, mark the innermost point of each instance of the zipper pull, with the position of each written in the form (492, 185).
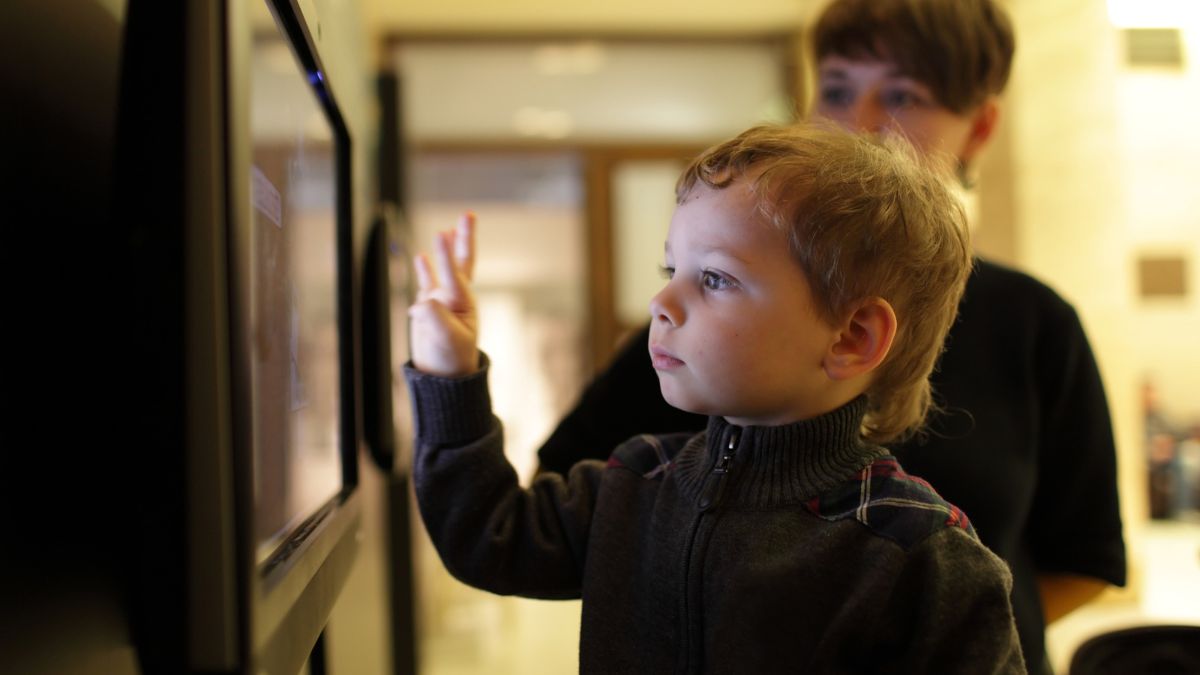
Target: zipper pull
(715, 484)
(727, 456)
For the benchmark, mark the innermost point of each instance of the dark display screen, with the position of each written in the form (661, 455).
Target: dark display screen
(293, 299)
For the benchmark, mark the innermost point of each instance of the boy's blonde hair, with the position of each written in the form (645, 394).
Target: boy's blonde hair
(864, 218)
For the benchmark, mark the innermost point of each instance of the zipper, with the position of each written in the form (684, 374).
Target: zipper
(714, 486)
(710, 497)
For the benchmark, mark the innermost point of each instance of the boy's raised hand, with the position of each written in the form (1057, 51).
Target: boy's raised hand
(444, 324)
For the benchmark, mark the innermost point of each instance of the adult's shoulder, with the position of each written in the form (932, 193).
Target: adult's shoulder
(995, 280)
(1014, 297)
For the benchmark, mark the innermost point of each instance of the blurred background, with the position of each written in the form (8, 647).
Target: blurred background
(563, 124)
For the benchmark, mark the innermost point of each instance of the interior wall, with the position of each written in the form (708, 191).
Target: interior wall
(1158, 144)
(1102, 175)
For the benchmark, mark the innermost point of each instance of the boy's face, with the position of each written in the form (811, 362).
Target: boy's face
(735, 332)
(874, 96)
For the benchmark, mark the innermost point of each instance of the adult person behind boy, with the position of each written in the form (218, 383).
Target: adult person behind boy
(812, 276)
(1024, 443)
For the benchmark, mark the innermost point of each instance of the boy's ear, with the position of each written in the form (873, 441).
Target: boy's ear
(983, 125)
(863, 341)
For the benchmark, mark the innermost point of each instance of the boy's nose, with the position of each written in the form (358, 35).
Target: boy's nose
(664, 308)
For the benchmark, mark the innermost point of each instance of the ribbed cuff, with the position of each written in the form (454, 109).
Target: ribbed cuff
(450, 410)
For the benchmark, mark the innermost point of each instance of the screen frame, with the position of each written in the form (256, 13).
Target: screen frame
(245, 616)
(293, 33)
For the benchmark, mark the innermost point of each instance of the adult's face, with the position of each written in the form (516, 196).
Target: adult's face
(875, 97)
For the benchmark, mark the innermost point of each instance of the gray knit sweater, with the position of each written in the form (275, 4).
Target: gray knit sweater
(796, 549)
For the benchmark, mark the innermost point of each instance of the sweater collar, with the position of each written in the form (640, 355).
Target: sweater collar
(775, 465)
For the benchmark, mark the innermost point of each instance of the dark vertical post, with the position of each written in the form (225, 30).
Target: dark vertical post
(402, 606)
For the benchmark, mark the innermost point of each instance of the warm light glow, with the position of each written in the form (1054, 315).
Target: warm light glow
(1154, 13)
(582, 58)
(553, 124)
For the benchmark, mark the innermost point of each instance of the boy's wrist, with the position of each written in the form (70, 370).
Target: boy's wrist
(447, 366)
(450, 409)
(478, 362)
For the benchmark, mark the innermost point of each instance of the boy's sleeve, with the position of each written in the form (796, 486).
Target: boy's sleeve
(489, 531)
(950, 610)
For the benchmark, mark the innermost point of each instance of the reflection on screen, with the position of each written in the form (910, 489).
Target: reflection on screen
(293, 299)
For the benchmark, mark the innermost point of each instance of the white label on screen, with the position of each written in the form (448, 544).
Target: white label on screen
(266, 197)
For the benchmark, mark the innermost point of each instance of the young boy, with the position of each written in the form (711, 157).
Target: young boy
(812, 276)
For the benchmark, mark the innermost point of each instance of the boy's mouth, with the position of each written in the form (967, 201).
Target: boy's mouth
(663, 359)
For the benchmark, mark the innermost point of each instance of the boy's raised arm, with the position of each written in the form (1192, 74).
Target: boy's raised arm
(489, 531)
(444, 322)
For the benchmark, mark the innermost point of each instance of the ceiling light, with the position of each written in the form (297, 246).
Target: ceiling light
(1154, 13)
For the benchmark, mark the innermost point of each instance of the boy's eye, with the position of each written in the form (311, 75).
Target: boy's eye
(715, 282)
(666, 271)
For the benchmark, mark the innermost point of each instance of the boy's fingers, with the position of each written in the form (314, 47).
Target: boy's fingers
(428, 309)
(464, 245)
(426, 279)
(445, 265)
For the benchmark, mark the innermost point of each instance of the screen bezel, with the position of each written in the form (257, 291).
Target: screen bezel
(246, 616)
(275, 556)
(290, 592)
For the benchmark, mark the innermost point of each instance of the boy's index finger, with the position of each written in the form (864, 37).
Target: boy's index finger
(464, 245)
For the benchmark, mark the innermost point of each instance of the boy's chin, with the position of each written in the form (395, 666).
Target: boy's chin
(682, 402)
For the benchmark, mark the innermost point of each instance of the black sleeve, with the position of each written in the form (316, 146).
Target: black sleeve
(621, 402)
(1076, 523)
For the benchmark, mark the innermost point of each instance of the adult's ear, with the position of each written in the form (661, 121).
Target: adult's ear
(983, 125)
(863, 341)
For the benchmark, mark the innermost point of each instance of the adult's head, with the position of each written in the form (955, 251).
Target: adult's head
(931, 69)
(866, 225)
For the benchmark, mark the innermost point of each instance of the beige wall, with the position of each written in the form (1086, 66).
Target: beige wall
(1102, 160)
(1104, 170)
